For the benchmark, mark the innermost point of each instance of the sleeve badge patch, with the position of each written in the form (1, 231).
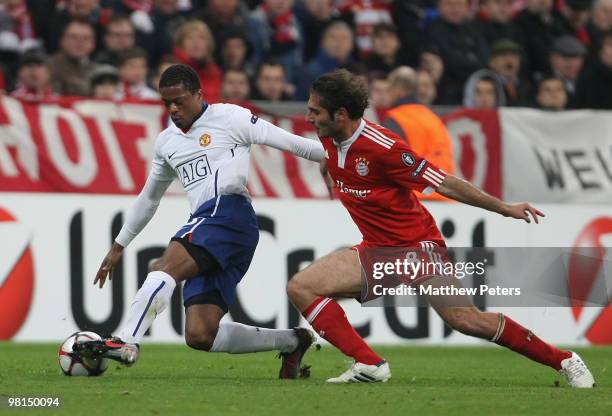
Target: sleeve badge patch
(408, 159)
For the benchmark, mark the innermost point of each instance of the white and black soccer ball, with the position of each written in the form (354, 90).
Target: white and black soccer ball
(74, 364)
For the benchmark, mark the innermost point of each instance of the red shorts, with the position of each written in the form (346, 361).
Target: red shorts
(394, 266)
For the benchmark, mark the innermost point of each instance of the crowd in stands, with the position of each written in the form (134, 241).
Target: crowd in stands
(549, 54)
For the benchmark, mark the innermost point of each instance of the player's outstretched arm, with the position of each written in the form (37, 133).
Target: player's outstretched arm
(250, 129)
(137, 218)
(463, 191)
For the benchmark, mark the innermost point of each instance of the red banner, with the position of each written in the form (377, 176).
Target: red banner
(93, 146)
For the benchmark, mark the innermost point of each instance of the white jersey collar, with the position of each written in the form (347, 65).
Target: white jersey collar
(348, 142)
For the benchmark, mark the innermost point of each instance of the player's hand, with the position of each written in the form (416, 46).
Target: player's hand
(108, 265)
(523, 211)
(329, 182)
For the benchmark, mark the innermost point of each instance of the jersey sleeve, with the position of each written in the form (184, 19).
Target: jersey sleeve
(160, 170)
(406, 168)
(249, 129)
(144, 207)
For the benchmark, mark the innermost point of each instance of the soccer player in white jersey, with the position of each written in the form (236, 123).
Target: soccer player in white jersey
(207, 147)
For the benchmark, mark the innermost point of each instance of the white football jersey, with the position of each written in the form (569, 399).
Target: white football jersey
(210, 159)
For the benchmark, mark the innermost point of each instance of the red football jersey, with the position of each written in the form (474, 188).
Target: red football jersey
(375, 172)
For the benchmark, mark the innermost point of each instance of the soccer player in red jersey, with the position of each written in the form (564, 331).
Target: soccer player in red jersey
(376, 174)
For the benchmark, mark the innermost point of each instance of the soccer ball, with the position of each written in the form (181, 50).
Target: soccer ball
(73, 364)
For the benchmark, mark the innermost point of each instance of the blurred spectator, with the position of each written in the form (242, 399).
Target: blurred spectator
(195, 46)
(384, 55)
(484, 90)
(426, 90)
(104, 82)
(431, 63)
(494, 20)
(224, 15)
(40, 12)
(600, 23)
(270, 82)
(418, 125)
(71, 67)
(16, 35)
(84, 10)
(551, 94)
(119, 36)
(566, 61)
(282, 36)
(335, 52)
(365, 15)
(33, 78)
(235, 85)
(574, 15)
(314, 16)
(235, 51)
(133, 76)
(407, 16)
(538, 26)
(380, 96)
(505, 61)
(462, 49)
(594, 87)
(16, 27)
(166, 18)
(166, 62)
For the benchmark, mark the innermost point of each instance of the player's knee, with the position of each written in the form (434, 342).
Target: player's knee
(155, 265)
(201, 340)
(296, 287)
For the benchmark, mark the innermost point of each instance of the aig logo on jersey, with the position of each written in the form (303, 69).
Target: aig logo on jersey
(205, 140)
(361, 166)
(193, 170)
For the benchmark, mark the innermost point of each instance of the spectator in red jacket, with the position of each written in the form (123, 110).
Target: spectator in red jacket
(195, 46)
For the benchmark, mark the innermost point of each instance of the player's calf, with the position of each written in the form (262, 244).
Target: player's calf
(470, 321)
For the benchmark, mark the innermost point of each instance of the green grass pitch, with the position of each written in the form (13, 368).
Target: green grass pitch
(174, 380)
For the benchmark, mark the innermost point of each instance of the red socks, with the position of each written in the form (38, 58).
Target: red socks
(329, 320)
(518, 338)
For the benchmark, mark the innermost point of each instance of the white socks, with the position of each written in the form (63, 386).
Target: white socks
(152, 298)
(237, 338)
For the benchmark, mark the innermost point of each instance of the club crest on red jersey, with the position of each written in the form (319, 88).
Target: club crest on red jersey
(361, 166)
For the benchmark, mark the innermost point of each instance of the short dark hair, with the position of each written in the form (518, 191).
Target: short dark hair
(381, 28)
(133, 53)
(78, 21)
(268, 61)
(118, 18)
(547, 76)
(339, 89)
(180, 74)
(237, 71)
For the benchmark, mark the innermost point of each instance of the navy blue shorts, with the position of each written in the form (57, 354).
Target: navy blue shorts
(226, 227)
